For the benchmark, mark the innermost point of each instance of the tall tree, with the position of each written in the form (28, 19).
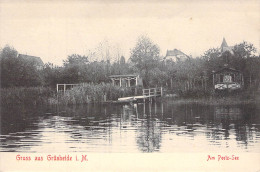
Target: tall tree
(75, 59)
(17, 71)
(52, 75)
(145, 56)
(246, 60)
(75, 69)
(122, 60)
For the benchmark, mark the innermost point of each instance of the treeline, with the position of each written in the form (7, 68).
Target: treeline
(188, 76)
(22, 72)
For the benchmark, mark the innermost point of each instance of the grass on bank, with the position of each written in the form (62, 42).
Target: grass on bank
(220, 98)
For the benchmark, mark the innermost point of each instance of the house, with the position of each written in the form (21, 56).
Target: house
(227, 79)
(36, 61)
(126, 80)
(175, 55)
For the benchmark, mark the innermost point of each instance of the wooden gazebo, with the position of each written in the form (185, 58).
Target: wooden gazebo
(227, 79)
(126, 80)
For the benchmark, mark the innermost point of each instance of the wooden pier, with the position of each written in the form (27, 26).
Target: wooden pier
(147, 94)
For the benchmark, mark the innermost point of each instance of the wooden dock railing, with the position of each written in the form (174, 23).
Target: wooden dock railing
(153, 92)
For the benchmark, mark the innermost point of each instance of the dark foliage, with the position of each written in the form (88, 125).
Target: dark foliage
(190, 77)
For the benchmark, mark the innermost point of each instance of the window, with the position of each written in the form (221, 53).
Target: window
(227, 78)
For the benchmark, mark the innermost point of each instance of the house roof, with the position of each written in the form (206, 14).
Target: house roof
(224, 43)
(174, 52)
(224, 46)
(36, 60)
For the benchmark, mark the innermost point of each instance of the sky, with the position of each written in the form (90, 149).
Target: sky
(53, 30)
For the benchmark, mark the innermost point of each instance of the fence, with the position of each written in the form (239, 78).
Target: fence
(153, 92)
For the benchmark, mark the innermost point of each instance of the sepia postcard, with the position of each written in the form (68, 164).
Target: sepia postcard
(130, 85)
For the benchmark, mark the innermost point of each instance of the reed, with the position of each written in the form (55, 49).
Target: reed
(87, 93)
(25, 95)
(93, 93)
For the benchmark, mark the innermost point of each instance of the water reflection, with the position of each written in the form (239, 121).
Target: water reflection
(156, 127)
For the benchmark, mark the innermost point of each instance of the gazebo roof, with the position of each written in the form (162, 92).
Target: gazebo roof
(122, 76)
(227, 69)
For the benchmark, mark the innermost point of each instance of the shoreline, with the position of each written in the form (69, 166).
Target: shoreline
(214, 101)
(181, 100)
(36, 96)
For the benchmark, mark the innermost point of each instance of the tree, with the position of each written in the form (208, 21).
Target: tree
(245, 60)
(244, 50)
(212, 60)
(75, 59)
(52, 75)
(145, 56)
(8, 62)
(122, 60)
(17, 71)
(75, 69)
(157, 77)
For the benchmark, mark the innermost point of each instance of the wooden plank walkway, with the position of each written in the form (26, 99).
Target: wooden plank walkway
(147, 93)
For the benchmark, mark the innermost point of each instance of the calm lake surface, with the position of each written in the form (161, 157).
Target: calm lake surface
(157, 127)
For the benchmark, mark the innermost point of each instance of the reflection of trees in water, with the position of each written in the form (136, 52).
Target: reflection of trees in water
(147, 121)
(245, 131)
(149, 134)
(102, 117)
(18, 118)
(233, 120)
(187, 114)
(95, 118)
(16, 124)
(150, 120)
(218, 123)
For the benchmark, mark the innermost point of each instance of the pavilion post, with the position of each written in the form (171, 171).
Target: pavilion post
(128, 82)
(213, 79)
(113, 82)
(64, 88)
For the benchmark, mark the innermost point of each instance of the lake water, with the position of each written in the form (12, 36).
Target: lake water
(151, 127)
